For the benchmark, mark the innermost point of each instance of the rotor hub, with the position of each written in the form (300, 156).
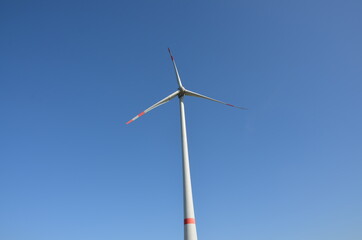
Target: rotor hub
(182, 91)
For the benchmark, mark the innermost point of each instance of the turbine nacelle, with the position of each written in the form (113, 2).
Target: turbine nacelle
(182, 91)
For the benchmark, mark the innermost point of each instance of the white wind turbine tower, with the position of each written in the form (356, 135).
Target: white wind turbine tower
(189, 215)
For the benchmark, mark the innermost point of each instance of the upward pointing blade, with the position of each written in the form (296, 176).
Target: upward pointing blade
(193, 94)
(165, 100)
(176, 71)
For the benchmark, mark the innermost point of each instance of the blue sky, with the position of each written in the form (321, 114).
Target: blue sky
(73, 72)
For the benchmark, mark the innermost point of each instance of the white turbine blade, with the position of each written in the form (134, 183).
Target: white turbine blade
(193, 94)
(165, 100)
(176, 71)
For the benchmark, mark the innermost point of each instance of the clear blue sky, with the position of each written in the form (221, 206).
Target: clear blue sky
(73, 72)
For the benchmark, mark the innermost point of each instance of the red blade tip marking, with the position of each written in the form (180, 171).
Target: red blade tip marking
(189, 221)
(129, 121)
(142, 113)
(230, 105)
(170, 54)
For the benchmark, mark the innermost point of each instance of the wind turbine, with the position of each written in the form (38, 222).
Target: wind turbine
(189, 214)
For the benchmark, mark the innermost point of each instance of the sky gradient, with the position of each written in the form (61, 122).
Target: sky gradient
(72, 73)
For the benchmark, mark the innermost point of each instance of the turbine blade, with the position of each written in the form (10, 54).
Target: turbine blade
(176, 71)
(193, 94)
(165, 100)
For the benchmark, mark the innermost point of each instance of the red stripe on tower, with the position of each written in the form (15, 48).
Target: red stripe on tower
(189, 221)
